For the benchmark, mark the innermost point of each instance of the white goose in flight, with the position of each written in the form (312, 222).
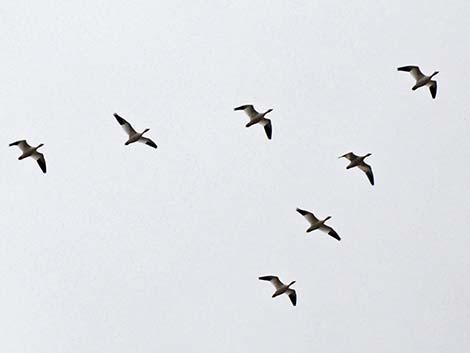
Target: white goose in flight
(315, 223)
(421, 79)
(256, 118)
(356, 161)
(281, 288)
(133, 135)
(29, 151)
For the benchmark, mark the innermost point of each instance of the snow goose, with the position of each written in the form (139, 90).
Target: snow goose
(421, 79)
(133, 135)
(281, 288)
(32, 152)
(315, 223)
(256, 118)
(356, 161)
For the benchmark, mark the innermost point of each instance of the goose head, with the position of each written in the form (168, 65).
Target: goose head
(40, 145)
(367, 155)
(290, 284)
(434, 74)
(143, 132)
(327, 218)
(268, 111)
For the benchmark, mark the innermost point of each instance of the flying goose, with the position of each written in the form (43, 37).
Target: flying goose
(256, 118)
(281, 288)
(29, 151)
(356, 161)
(133, 135)
(315, 223)
(421, 79)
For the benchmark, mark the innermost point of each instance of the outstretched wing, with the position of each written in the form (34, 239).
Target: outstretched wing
(125, 125)
(309, 216)
(267, 127)
(413, 70)
(330, 231)
(274, 281)
(432, 88)
(148, 142)
(22, 144)
(39, 157)
(350, 156)
(249, 110)
(292, 296)
(368, 170)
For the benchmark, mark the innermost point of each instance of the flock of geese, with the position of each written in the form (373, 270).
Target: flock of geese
(257, 118)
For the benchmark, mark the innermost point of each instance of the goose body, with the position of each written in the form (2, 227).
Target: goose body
(134, 136)
(29, 151)
(257, 118)
(358, 161)
(281, 288)
(316, 223)
(421, 79)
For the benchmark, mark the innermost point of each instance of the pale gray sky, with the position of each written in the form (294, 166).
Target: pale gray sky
(126, 249)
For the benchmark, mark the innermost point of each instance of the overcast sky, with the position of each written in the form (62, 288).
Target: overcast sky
(125, 249)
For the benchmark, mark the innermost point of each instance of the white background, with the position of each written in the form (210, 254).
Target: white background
(129, 249)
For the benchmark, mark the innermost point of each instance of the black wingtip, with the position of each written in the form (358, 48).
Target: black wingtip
(406, 68)
(268, 129)
(151, 144)
(293, 298)
(433, 90)
(42, 165)
(334, 235)
(370, 176)
(119, 119)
